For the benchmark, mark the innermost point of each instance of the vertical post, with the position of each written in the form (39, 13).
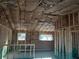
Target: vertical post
(78, 18)
(30, 50)
(25, 49)
(7, 51)
(62, 44)
(14, 50)
(55, 44)
(70, 41)
(78, 44)
(34, 50)
(73, 19)
(20, 47)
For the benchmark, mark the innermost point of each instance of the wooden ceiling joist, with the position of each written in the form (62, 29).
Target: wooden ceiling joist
(30, 15)
(8, 18)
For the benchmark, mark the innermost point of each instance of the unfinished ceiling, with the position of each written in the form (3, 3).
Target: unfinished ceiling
(38, 15)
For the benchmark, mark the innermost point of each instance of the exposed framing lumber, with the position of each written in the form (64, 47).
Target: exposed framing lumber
(19, 12)
(4, 26)
(8, 18)
(50, 14)
(72, 19)
(68, 34)
(78, 17)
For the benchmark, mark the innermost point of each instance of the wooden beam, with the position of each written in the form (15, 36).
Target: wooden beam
(19, 12)
(50, 14)
(8, 18)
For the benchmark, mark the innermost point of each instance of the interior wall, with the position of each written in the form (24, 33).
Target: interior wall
(33, 37)
(5, 39)
(5, 35)
(66, 36)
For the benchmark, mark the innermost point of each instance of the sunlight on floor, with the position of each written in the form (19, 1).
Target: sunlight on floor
(44, 58)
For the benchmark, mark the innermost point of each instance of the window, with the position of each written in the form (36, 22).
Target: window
(21, 36)
(45, 37)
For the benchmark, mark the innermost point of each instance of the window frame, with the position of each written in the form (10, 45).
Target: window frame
(52, 38)
(21, 33)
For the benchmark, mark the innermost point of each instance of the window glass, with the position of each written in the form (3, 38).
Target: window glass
(45, 37)
(21, 36)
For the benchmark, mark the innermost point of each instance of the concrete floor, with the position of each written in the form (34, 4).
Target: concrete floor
(38, 55)
(45, 55)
